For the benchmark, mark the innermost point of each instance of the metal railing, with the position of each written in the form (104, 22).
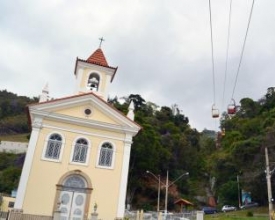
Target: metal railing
(133, 215)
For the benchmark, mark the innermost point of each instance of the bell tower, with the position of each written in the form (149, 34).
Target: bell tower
(94, 74)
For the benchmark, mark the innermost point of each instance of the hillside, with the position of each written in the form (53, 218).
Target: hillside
(15, 137)
(168, 143)
(13, 118)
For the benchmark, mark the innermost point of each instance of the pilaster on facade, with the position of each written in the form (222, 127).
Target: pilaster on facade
(27, 165)
(124, 180)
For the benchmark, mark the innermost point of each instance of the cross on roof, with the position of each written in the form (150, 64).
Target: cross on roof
(101, 39)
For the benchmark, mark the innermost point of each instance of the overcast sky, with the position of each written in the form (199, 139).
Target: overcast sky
(162, 49)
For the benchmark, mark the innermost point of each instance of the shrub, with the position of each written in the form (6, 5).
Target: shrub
(249, 214)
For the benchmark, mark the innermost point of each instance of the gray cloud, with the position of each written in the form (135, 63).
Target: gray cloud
(162, 49)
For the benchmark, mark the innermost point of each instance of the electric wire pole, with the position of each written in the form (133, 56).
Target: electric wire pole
(239, 196)
(268, 181)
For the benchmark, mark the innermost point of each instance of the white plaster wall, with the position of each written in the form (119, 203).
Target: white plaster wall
(13, 147)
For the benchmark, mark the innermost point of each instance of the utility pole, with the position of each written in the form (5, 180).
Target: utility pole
(166, 193)
(239, 197)
(167, 185)
(268, 181)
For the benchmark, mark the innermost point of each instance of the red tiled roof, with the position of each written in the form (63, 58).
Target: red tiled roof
(98, 58)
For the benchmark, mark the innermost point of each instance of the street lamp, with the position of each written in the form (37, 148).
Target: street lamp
(167, 186)
(157, 178)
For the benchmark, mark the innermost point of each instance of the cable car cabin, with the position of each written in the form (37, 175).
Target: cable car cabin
(215, 112)
(231, 108)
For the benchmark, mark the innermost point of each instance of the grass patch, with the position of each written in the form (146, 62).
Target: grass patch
(240, 218)
(15, 138)
(259, 213)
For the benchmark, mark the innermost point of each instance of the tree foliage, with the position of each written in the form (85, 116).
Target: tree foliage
(13, 118)
(10, 171)
(167, 142)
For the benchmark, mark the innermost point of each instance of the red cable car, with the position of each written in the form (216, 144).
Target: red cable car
(231, 108)
(215, 112)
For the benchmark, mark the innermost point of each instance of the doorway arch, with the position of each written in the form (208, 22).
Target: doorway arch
(73, 196)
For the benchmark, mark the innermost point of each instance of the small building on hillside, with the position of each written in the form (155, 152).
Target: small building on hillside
(183, 204)
(79, 150)
(6, 202)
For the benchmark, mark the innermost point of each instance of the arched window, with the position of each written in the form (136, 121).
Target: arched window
(80, 151)
(53, 147)
(106, 155)
(93, 82)
(76, 182)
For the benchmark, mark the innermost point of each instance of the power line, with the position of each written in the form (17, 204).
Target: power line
(242, 52)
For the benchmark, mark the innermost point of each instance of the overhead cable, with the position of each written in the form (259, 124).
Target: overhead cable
(212, 50)
(227, 50)
(242, 52)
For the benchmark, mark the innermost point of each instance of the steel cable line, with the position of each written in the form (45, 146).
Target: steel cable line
(212, 52)
(227, 50)
(242, 52)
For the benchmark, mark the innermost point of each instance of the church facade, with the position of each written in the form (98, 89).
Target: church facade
(79, 150)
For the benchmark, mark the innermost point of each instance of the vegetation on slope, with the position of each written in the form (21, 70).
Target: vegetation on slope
(168, 143)
(13, 118)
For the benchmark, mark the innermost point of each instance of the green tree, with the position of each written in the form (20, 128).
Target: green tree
(9, 179)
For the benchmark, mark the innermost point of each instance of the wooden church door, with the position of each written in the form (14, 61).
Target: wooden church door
(73, 198)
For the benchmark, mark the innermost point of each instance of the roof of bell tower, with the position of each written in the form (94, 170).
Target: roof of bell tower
(98, 58)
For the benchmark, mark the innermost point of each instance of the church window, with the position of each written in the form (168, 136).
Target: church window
(87, 111)
(74, 181)
(80, 151)
(93, 82)
(106, 155)
(53, 147)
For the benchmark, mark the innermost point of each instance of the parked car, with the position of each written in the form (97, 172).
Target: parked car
(249, 205)
(209, 210)
(228, 208)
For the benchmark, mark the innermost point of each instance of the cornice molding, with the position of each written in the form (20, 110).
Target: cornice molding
(108, 70)
(47, 109)
(84, 122)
